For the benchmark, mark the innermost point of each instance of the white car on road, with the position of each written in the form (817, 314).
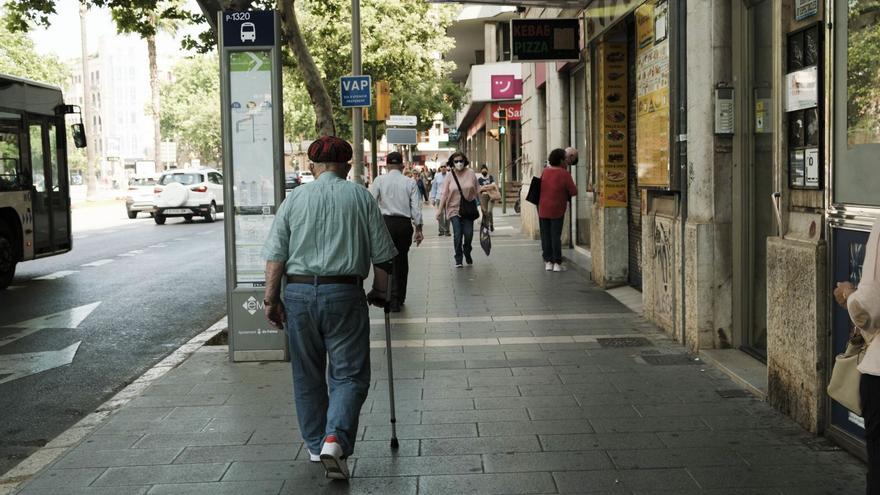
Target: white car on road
(140, 195)
(188, 193)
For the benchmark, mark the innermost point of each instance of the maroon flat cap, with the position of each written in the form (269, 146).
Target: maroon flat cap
(330, 149)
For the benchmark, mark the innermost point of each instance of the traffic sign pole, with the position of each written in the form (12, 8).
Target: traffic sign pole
(357, 114)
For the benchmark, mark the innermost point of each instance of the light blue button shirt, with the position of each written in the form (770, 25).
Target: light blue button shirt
(329, 227)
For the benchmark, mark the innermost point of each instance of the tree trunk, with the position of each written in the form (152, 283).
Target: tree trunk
(154, 110)
(324, 124)
(91, 134)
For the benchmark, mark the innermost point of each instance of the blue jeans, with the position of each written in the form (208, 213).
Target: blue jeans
(328, 320)
(462, 236)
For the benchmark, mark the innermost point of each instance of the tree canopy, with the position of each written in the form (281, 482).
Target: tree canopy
(18, 57)
(402, 41)
(193, 121)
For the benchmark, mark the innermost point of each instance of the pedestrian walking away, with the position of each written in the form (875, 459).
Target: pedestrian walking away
(436, 188)
(325, 236)
(557, 188)
(488, 193)
(863, 305)
(459, 200)
(401, 205)
(425, 183)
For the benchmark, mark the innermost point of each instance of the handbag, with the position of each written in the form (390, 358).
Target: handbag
(534, 195)
(467, 209)
(845, 376)
(493, 193)
(485, 238)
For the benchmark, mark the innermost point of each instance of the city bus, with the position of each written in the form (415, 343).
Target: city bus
(34, 189)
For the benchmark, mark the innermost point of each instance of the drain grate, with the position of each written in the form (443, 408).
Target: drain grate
(624, 342)
(734, 393)
(669, 359)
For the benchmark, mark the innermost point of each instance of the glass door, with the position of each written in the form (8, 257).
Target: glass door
(753, 218)
(41, 176)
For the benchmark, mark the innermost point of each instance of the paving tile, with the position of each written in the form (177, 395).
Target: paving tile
(585, 412)
(181, 440)
(361, 486)
(152, 475)
(129, 426)
(546, 461)
(79, 458)
(274, 470)
(426, 405)
(230, 453)
(479, 415)
(603, 441)
(381, 448)
(471, 392)
(481, 445)
(422, 431)
(489, 484)
(672, 480)
(673, 458)
(89, 490)
(523, 402)
(222, 488)
(418, 466)
(624, 425)
(59, 479)
(109, 442)
(539, 427)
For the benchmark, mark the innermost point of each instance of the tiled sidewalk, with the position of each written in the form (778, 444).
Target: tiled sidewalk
(506, 383)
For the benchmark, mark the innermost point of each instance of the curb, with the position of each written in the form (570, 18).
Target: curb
(52, 451)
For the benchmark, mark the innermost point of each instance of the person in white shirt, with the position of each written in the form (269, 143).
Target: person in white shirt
(401, 204)
(436, 188)
(863, 306)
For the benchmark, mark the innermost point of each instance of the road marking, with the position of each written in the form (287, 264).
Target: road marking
(56, 275)
(137, 251)
(125, 255)
(157, 246)
(99, 262)
(69, 318)
(182, 239)
(15, 366)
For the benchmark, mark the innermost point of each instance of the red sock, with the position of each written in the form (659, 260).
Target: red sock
(330, 439)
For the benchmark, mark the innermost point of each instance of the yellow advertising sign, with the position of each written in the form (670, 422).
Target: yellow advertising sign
(383, 100)
(612, 125)
(652, 93)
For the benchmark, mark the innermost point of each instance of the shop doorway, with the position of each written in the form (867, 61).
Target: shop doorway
(634, 193)
(753, 216)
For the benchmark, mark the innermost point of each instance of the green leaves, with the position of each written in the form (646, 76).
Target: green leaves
(19, 58)
(191, 108)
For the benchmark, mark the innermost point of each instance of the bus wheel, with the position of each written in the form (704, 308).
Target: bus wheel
(159, 218)
(7, 260)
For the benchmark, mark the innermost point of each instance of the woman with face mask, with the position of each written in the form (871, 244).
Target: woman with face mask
(488, 188)
(459, 188)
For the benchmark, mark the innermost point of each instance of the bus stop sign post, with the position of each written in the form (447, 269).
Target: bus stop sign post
(253, 166)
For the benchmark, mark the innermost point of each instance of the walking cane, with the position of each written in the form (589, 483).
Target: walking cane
(394, 442)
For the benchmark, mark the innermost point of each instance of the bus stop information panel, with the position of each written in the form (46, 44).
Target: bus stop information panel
(253, 162)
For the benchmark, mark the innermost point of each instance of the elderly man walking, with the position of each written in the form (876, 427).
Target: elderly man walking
(324, 238)
(401, 204)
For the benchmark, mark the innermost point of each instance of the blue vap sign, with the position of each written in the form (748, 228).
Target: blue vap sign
(355, 91)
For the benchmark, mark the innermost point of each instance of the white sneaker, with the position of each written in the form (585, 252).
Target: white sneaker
(548, 266)
(557, 267)
(314, 457)
(335, 466)
(458, 265)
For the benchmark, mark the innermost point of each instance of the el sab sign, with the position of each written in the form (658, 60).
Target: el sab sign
(545, 39)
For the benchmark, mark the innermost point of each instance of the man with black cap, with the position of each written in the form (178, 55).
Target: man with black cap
(325, 236)
(401, 204)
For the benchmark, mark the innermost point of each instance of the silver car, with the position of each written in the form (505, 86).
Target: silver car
(140, 196)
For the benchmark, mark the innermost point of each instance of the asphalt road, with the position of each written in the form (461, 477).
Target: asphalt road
(157, 287)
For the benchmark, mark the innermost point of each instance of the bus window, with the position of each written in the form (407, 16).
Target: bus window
(10, 151)
(37, 159)
(53, 158)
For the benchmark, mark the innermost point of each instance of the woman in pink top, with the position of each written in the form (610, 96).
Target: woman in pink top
(450, 202)
(863, 305)
(557, 188)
